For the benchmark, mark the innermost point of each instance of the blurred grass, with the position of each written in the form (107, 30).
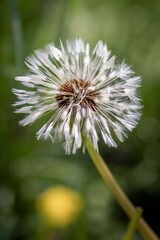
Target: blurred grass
(27, 167)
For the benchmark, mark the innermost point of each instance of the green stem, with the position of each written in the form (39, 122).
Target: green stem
(17, 34)
(132, 226)
(121, 197)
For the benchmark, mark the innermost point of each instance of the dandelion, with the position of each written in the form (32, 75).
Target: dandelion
(85, 93)
(59, 205)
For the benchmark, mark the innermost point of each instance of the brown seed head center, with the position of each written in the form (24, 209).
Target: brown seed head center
(76, 92)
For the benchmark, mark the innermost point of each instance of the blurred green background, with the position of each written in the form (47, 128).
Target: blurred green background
(29, 167)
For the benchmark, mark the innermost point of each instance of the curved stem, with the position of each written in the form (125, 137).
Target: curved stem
(120, 196)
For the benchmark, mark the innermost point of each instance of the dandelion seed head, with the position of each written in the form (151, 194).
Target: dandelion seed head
(87, 94)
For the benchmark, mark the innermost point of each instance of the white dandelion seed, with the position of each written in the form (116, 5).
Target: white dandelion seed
(85, 93)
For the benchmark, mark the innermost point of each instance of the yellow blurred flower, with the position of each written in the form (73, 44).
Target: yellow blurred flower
(59, 205)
